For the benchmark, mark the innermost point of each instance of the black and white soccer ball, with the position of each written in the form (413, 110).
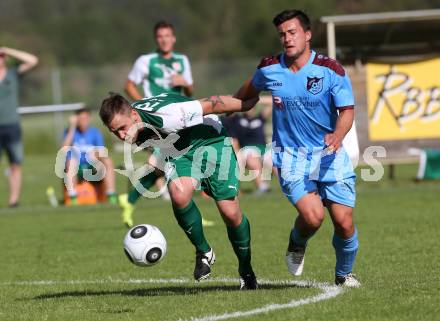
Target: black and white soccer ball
(145, 245)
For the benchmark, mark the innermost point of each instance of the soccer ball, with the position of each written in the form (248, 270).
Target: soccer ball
(145, 245)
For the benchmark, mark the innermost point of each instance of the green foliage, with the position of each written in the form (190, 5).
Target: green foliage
(107, 31)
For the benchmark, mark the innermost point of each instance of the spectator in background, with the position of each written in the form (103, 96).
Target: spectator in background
(87, 142)
(249, 142)
(162, 71)
(10, 130)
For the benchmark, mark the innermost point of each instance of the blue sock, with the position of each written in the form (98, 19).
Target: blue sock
(345, 253)
(298, 239)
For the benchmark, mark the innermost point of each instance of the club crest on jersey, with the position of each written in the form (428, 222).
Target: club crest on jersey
(177, 66)
(314, 85)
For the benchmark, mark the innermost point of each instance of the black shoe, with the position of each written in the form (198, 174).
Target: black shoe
(248, 282)
(13, 205)
(204, 261)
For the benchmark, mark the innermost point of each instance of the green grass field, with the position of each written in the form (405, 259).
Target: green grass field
(68, 263)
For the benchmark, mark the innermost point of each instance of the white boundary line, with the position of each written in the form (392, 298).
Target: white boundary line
(328, 292)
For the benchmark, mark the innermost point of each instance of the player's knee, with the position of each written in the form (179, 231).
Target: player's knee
(180, 199)
(232, 217)
(313, 218)
(345, 227)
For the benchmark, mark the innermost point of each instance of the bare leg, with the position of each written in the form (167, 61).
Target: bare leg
(310, 214)
(342, 218)
(14, 183)
(308, 221)
(109, 178)
(253, 162)
(70, 177)
(230, 212)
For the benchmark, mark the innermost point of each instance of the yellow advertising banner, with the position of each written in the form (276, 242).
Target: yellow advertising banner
(404, 100)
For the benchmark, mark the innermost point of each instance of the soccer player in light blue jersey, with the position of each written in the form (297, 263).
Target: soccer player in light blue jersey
(313, 109)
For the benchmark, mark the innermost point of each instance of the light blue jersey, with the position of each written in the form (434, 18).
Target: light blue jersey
(85, 142)
(305, 107)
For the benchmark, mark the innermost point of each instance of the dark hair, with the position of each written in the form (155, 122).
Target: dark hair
(304, 20)
(162, 24)
(82, 110)
(115, 104)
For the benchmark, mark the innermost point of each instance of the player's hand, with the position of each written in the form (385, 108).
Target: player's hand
(333, 142)
(73, 121)
(178, 81)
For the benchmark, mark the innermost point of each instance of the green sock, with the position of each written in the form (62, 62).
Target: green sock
(190, 221)
(240, 238)
(147, 181)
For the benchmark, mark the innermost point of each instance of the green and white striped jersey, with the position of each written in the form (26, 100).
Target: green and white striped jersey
(155, 72)
(173, 113)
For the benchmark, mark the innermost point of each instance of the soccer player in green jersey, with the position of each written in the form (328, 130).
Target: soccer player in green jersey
(201, 156)
(162, 71)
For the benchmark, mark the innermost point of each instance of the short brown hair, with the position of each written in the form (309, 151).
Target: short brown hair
(162, 24)
(82, 110)
(285, 15)
(111, 106)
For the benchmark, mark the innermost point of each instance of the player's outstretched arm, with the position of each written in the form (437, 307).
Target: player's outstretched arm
(226, 104)
(247, 91)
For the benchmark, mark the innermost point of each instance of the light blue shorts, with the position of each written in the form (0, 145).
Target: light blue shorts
(341, 192)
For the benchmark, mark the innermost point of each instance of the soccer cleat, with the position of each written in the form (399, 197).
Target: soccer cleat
(73, 200)
(127, 210)
(248, 282)
(204, 261)
(295, 259)
(207, 223)
(166, 196)
(348, 281)
(262, 189)
(112, 198)
(13, 205)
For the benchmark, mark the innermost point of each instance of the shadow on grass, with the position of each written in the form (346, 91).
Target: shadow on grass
(161, 291)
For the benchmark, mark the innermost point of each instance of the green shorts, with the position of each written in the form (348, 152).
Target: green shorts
(213, 166)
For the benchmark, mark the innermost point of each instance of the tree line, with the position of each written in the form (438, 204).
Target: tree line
(84, 32)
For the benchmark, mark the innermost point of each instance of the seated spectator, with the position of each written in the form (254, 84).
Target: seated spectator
(86, 156)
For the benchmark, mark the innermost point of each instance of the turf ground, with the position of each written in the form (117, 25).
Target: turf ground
(68, 263)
